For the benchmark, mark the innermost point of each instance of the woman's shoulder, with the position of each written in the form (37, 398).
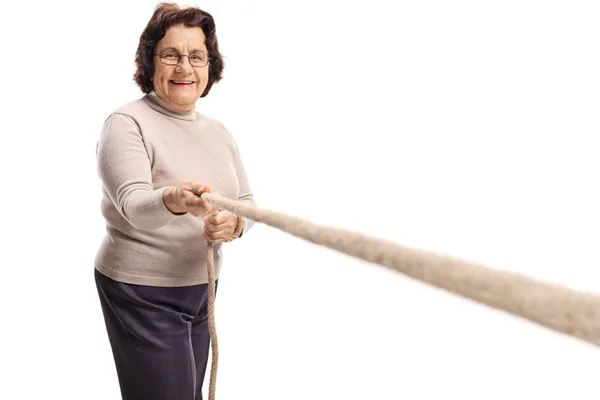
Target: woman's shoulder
(131, 107)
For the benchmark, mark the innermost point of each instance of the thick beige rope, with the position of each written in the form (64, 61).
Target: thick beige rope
(212, 327)
(551, 306)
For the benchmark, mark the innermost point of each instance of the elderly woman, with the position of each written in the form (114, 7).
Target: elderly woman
(156, 156)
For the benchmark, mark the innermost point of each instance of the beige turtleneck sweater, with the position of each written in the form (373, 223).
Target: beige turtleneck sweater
(144, 147)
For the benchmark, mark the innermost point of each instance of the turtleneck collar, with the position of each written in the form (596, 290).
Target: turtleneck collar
(157, 104)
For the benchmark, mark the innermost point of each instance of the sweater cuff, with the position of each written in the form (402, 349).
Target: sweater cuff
(164, 215)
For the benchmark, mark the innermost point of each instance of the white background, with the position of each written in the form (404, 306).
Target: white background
(471, 124)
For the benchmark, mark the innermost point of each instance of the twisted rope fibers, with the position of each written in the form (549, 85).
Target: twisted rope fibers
(551, 306)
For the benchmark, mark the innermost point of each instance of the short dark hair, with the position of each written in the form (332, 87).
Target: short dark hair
(166, 15)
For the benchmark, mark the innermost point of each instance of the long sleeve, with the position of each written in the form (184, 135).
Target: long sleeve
(124, 169)
(245, 194)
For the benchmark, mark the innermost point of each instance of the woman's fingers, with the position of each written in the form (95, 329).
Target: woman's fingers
(219, 226)
(199, 189)
(215, 236)
(218, 218)
(193, 202)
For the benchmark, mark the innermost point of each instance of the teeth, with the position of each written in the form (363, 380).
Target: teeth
(182, 81)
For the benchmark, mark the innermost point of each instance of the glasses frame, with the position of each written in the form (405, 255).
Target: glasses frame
(180, 57)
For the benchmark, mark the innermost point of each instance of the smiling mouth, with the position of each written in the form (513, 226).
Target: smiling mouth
(182, 83)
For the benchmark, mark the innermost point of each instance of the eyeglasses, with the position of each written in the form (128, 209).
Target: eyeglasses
(170, 57)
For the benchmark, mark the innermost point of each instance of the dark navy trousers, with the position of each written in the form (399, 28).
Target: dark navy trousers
(159, 338)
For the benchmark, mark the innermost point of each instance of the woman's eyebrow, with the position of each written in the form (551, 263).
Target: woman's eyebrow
(170, 49)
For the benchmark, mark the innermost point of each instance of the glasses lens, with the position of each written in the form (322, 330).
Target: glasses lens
(169, 57)
(198, 60)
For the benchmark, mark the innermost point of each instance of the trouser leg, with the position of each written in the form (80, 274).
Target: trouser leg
(150, 332)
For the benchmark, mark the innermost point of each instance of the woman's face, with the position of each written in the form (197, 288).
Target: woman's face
(181, 85)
